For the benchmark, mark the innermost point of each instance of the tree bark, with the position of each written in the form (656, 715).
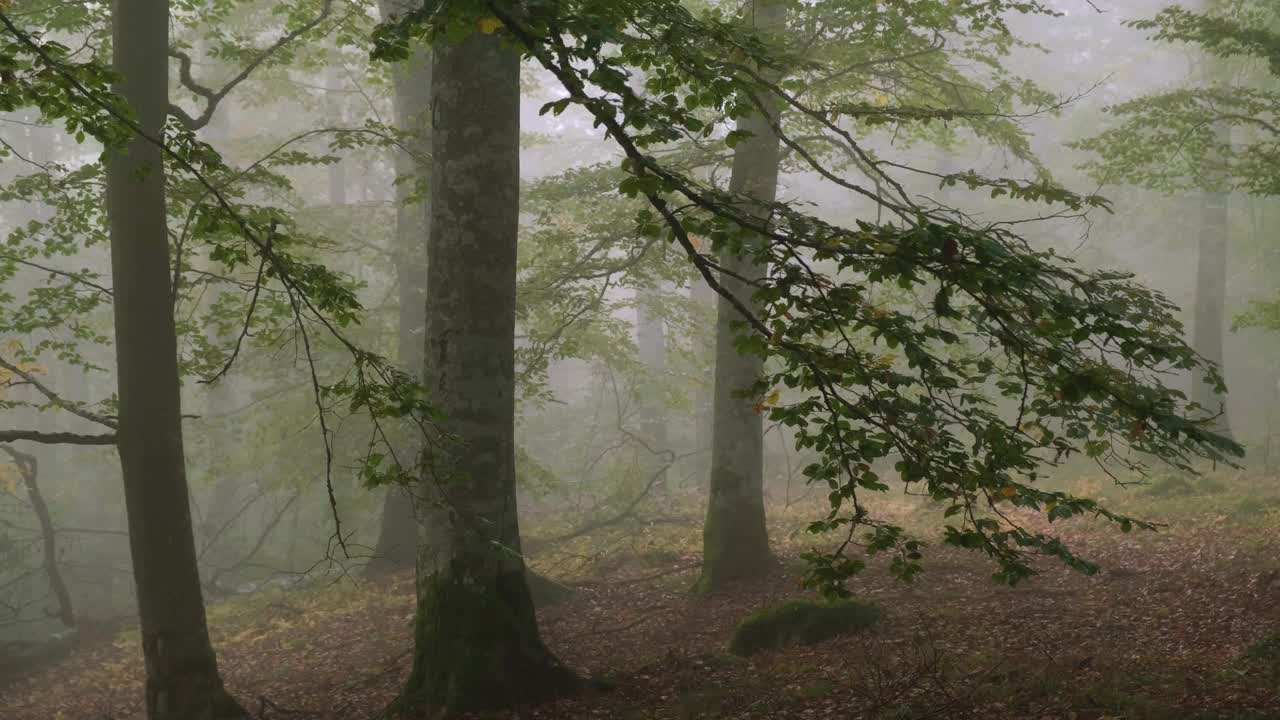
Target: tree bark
(1211, 291)
(651, 343)
(182, 681)
(735, 541)
(476, 636)
(397, 543)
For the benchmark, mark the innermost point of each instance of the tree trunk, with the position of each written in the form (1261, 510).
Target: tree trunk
(476, 637)
(28, 468)
(398, 537)
(182, 681)
(333, 102)
(735, 541)
(704, 395)
(652, 345)
(1211, 291)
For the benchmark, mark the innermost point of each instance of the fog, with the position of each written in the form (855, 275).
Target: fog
(342, 298)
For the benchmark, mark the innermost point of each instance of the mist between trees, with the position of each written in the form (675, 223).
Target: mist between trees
(434, 359)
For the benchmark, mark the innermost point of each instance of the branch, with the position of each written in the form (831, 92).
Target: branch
(214, 97)
(56, 438)
(58, 400)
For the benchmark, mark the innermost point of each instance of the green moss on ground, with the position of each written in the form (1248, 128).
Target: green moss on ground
(801, 623)
(1264, 654)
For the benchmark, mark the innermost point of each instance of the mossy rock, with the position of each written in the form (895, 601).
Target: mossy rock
(801, 623)
(545, 591)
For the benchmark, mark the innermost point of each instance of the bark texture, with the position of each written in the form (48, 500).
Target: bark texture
(1211, 291)
(398, 536)
(476, 637)
(735, 541)
(182, 681)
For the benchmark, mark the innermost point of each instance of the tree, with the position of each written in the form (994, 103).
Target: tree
(735, 540)
(651, 344)
(1184, 140)
(1078, 354)
(411, 80)
(476, 641)
(182, 674)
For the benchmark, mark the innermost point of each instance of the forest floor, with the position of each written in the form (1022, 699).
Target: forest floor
(1164, 631)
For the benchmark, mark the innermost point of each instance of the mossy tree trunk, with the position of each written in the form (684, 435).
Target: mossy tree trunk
(182, 681)
(735, 541)
(411, 81)
(476, 639)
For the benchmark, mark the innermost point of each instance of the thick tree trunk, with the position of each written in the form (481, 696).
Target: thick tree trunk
(735, 541)
(1211, 291)
(182, 681)
(398, 537)
(652, 345)
(476, 637)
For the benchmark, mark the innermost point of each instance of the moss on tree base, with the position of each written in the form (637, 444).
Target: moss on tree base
(545, 591)
(478, 649)
(735, 546)
(801, 623)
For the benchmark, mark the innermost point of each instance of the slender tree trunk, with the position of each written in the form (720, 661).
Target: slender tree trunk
(476, 636)
(398, 537)
(28, 468)
(220, 400)
(333, 102)
(1211, 291)
(704, 395)
(182, 681)
(735, 541)
(652, 345)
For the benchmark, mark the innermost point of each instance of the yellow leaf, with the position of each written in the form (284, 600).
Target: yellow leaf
(773, 398)
(488, 25)
(881, 100)
(1007, 491)
(8, 479)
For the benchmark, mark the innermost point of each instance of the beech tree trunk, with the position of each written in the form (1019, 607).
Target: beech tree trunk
(476, 636)
(182, 681)
(398, 537)
(333, 103)
(29, 469)
(1211, 291)
(735, 541)
(651, 343)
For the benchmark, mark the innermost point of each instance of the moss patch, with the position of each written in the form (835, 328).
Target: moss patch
(1264, 655)
(801, 623)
